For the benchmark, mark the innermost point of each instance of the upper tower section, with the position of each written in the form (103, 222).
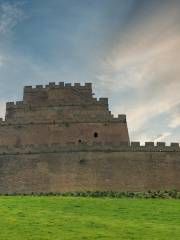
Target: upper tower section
(61, 102)
(52, 94)
(61, 114)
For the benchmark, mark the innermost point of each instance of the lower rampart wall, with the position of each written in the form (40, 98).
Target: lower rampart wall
(61, 170)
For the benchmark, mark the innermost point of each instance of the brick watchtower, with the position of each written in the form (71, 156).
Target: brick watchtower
(62, 114)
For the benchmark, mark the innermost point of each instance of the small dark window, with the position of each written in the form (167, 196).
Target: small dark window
(95, 134)
(79, 140)
(82, 161)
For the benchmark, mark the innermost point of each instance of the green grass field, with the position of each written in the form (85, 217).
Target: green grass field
(50, 217)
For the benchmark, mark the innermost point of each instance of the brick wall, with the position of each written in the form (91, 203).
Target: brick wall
(63, 133)
(65, 170)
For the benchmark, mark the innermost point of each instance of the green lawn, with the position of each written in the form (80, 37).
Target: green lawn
(50, 217)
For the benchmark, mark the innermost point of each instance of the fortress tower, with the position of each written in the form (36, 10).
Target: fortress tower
(62, 114)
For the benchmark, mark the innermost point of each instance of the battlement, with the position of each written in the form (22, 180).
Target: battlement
(120, 118)
(155, 144)
(14, 104)
(103, 101)
(60, 85)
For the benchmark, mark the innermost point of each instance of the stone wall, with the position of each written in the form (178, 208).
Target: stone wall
(89, 168)
(63, 133)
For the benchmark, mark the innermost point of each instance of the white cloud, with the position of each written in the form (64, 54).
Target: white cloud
(144, 137)
(175, 120)
(162, 136)
(10, 15)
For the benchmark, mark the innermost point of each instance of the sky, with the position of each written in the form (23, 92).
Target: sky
(128, 49)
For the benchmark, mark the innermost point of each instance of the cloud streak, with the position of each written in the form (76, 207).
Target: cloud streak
(10, 15)
(144, 63)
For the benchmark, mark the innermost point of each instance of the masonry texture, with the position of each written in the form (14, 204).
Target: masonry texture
(60, 138)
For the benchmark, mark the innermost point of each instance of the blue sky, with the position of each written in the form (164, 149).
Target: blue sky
(129, 49)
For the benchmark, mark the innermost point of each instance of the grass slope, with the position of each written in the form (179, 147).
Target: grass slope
(64, 218)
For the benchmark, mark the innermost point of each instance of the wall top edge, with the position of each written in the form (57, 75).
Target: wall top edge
(159, 145)
(60, 84)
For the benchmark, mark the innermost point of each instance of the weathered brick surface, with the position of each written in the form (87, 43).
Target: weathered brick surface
(64, 133)
(92, 170)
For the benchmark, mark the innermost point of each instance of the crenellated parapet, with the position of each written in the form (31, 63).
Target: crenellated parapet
(154, 147)
(120, 118)
(14, 104)
(154, 144)
(86, 86)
